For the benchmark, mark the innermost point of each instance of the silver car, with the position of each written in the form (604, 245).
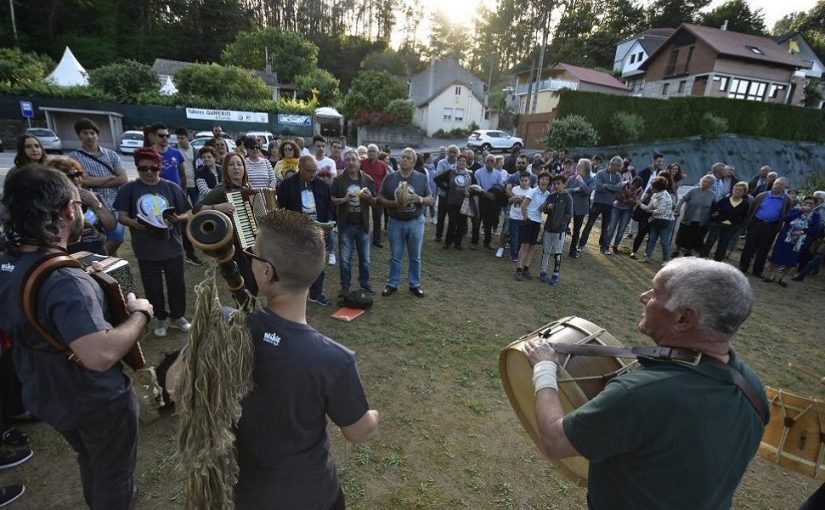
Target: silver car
(48, 139)
(490, 139)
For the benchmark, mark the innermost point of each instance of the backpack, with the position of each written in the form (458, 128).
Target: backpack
(357, 299)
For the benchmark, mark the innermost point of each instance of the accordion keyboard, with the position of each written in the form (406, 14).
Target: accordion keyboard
(246, 226)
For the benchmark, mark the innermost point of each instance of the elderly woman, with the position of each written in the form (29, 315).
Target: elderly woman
(96, 217)
(694, 222)
(798, 230)
(29, 150)
(288, 154)
(726, 219)
(234, 178)
(661, 214)
(580, 186)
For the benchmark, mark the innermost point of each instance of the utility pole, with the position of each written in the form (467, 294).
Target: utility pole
(13, 23)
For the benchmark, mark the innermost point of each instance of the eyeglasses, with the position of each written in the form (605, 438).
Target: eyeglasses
(249, 254)
(288, 149)
(75, 175)
(148, 169)
(162, 135)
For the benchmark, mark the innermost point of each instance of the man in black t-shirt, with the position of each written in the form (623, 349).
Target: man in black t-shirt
(90, 402)
(353, 192)
(300, 377)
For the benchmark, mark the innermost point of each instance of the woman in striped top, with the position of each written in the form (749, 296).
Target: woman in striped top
(259, 169)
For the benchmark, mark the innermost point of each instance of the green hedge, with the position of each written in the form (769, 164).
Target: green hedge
(680, 117)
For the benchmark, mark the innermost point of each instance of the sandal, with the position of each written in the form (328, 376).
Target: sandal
(13, 437)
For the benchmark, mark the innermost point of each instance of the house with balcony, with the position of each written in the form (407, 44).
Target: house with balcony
(631, 52)
(706, 61)
(543, 95)
(796, 44)
(447, 96)
(544, 92)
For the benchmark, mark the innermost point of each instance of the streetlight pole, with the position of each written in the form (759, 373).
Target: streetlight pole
(13, 22)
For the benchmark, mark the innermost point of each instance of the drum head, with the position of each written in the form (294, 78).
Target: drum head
(794, 436)
(517, 378)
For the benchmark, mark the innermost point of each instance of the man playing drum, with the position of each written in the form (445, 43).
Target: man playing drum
(669, 435)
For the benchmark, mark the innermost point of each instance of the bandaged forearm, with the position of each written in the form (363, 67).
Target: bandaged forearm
(544, 376)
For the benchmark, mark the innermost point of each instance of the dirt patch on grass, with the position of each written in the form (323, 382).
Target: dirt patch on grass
(448, 437)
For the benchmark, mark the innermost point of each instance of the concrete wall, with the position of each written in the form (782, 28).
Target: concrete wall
(395, 136)
(746, 154)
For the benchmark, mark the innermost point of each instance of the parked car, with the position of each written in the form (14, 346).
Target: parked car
(265, 137)
(131, 141)
(489, 140)
(208, 134)
(48, 139)
(198, 143)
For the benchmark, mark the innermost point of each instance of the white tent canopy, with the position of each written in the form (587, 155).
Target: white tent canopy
(328, 112)
(68, 72)
(168, 88)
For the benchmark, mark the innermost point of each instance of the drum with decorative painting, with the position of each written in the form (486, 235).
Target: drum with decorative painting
(580, 378)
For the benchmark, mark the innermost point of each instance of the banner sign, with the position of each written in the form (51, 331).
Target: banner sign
(227, 115)
(287, 119)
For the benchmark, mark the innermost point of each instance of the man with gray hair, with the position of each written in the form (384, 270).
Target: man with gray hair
(445, 165)
(720, 189)
(674, 433)
(405, 194)
(766, 214)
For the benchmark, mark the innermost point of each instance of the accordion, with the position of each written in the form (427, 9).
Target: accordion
(249, 206)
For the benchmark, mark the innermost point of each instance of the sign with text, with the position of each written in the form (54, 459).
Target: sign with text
(27, 109)
(288, 119)
(227, 115)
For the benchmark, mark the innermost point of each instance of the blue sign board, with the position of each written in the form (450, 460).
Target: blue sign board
(27, 109)
(287, 119)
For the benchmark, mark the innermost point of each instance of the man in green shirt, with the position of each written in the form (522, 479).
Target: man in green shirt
(669, 435)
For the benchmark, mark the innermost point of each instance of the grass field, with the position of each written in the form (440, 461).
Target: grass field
(448, 437)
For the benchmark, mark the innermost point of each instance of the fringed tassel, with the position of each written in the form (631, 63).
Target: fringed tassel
(216, 374)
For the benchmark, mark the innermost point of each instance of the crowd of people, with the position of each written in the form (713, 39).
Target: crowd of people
(360, 197)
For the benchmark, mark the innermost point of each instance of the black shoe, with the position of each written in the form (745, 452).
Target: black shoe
(459, 247)
(10, 493)
(368, 289)
(417, 292)
(378, 245)
(759, 275)
(446, 246)
(473, 246)
(388, 291)
(797, 278)
(13, 437)
(344, 292)
(319, 300)
(438, 239)
(573, 255)
(15, 458)
(194, 260)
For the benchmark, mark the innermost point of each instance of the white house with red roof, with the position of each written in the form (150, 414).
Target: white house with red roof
(544, 92)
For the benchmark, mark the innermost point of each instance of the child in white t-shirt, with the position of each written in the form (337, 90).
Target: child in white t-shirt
(531, 209)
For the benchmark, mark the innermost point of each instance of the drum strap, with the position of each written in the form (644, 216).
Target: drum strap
(746, 388)
(658, 353)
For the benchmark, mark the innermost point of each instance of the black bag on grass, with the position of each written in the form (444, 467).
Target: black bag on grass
(357, 299)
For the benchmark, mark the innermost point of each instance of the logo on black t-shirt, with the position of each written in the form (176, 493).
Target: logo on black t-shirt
(272, 338)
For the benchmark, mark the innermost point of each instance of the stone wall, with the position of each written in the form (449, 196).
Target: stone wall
(395, 136)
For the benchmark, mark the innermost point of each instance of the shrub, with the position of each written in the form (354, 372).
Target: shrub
(459, 133)
(372, 91)
(219, 82)
(713, 126)
(402, 110)
(571, 131)
(321, 81)
(440, 133)
(125, 80)
(20, 67)
(627, 127)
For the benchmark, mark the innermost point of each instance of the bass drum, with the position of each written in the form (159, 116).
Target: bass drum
(580, 377)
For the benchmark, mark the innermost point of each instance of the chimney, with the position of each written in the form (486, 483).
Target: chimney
(724, 25)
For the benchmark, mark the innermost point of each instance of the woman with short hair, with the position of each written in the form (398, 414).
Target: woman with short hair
(694, 223)
(209, 174)
(726, 219)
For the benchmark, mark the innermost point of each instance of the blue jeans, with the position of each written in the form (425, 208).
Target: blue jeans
(329, 241)
(618, 223)
(348, 235)
(663, 235)
(409, 234)
(811, 266)
(516, 227)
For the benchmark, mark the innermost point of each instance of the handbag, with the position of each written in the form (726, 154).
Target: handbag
(469, 207)
(640, 214)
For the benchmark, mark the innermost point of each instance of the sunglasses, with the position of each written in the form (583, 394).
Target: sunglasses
(148, 169)
(249, 255)
(162, 135)
(74, 175)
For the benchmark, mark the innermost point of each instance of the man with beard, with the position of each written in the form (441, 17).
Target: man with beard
(80, 389)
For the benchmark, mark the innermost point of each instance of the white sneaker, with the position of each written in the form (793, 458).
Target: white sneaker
(331, 261)
(500, 253)
(160, 327)
(182, 324)
(434, 221)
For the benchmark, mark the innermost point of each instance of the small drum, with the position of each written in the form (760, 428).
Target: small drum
(795, 436)
(580, 377)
